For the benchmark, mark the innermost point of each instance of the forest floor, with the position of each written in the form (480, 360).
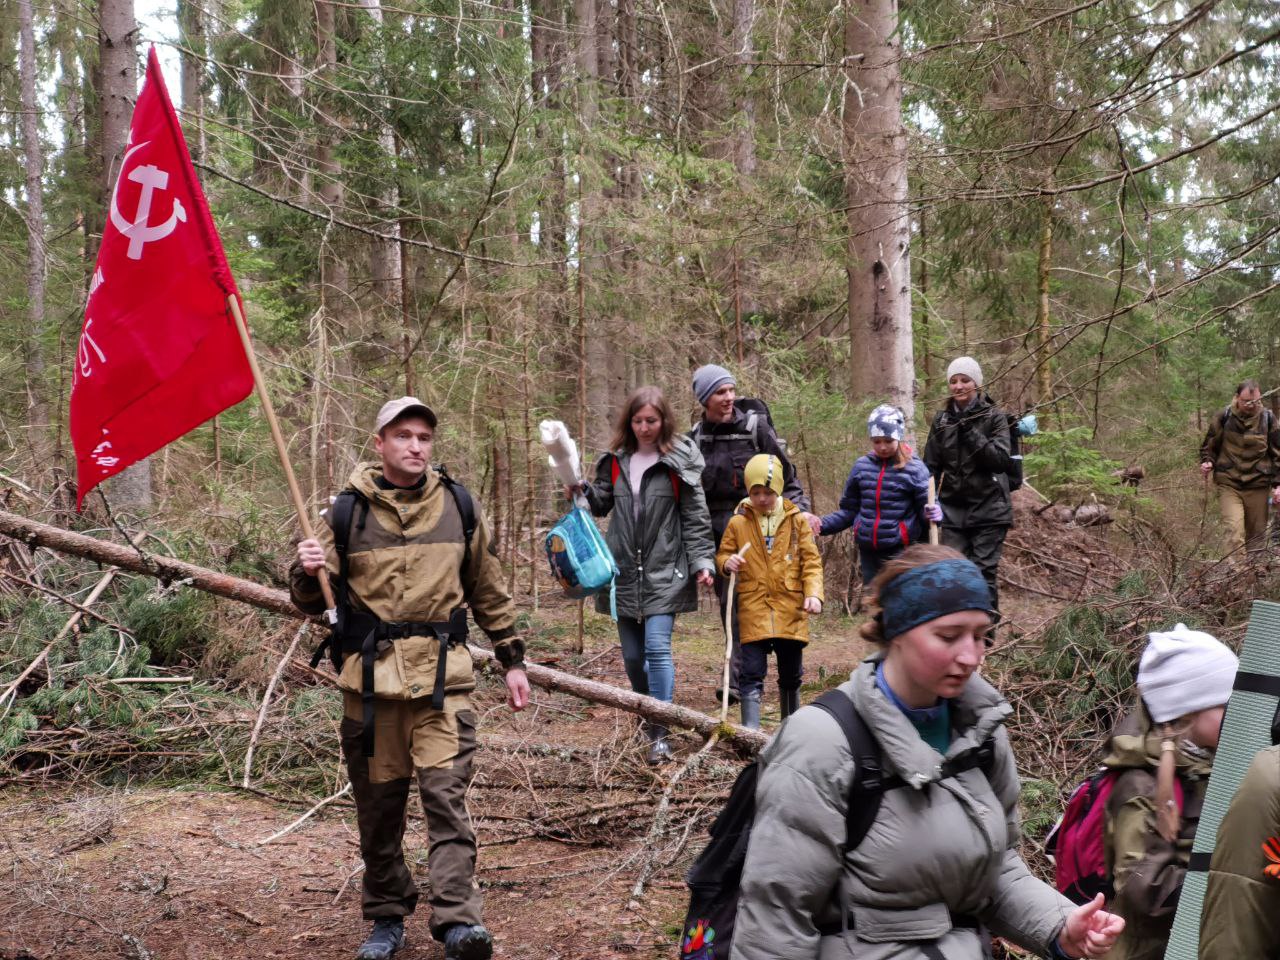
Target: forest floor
(563, 803)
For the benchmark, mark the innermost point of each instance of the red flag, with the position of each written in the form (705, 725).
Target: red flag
(159, 351)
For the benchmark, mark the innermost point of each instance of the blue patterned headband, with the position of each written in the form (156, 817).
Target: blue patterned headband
(932, 591)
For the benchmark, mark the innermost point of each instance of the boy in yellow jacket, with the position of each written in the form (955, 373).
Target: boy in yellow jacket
(771, 549)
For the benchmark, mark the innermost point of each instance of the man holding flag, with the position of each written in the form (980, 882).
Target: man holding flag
(409, 551)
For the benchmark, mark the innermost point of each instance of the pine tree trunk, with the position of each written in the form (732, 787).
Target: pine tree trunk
(1044, 373)
(38, 432)
(335, 280)
(599, 347)
(118, 73)
(386, 256)
(881, 362)
(191, 25)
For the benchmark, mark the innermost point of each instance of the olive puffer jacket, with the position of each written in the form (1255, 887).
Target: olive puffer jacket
(661, 550)
(406, 564)
(939, 848)
(1146, 870)
(773, 584)
(969, 453)
(1241, 914)
(883, 501)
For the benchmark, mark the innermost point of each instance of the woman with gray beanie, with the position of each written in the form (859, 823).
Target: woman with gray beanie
(1162, 753)
(968, 452)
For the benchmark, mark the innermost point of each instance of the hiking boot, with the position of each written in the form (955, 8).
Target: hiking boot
(386, 938)
(734, 697)
(751, 711)
(467, 941)
(788, 702)
(659, 749)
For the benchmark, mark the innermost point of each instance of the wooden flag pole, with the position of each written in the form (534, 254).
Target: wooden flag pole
(299, 505)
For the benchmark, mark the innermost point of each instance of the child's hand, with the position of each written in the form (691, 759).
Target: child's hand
(733, 564)
(812, 605)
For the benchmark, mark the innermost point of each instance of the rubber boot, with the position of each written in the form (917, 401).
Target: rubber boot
(659, 749)
(789, 701)
(385, 939)
(751, 711)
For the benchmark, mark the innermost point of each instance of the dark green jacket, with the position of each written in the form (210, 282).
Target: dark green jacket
(1244, 453)
(1241, 914)
(969, 454)
(660, 551)
(1146, 869)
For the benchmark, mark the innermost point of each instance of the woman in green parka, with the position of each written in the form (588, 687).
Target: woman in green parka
(1164, 753)
(650, 484)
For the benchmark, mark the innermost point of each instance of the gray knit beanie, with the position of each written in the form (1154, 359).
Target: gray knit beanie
(968, 366)
(708, 379)
(1183, 671)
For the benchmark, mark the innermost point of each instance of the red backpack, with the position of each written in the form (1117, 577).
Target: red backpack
(1078, 842)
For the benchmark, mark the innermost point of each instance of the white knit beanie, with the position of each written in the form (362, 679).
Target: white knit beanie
(968, 366)
(1183, 671)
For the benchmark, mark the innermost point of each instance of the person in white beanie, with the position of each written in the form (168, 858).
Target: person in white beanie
(1163, 753)
(969, 454)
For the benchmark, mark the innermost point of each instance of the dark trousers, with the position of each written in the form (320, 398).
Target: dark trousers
(755, 665)
(437, 746)
(871, 560)
(983, 546)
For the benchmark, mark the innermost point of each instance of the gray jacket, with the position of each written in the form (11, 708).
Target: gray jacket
(938, 848)
(660, 551)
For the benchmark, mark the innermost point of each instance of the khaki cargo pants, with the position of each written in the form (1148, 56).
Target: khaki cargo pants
(437, 745)
(1244, 514)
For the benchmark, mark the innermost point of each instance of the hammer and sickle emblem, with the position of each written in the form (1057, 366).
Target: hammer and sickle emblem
(152, 178)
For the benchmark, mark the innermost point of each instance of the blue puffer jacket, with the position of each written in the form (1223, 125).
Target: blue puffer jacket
(884, 504)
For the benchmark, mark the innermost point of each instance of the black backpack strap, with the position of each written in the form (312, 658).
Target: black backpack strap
(340, 515)
(466, 509)
(869, 780)
(982, 757)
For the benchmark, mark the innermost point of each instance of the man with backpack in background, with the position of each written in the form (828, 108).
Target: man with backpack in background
(1240, 452)
(407, 551)
(734, 429)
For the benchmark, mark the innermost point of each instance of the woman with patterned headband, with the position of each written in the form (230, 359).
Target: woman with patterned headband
(938, 872)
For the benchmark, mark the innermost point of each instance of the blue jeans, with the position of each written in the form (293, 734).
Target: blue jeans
(646, 653)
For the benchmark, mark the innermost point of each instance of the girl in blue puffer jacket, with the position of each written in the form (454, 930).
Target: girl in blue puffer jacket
(886, 498)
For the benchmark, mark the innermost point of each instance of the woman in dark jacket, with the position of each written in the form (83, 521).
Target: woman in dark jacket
(968, 452)
(886, 496)
(660, 536)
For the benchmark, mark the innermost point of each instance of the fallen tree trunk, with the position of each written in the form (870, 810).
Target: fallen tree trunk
(35, 534)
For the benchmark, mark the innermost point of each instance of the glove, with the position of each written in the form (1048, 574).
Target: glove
(1027, 426)
(933, 513)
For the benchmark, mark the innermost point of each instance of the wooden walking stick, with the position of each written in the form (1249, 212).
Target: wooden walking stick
(728, 637)
(934, 536)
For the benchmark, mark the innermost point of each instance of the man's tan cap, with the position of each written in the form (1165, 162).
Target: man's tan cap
(395, 409)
